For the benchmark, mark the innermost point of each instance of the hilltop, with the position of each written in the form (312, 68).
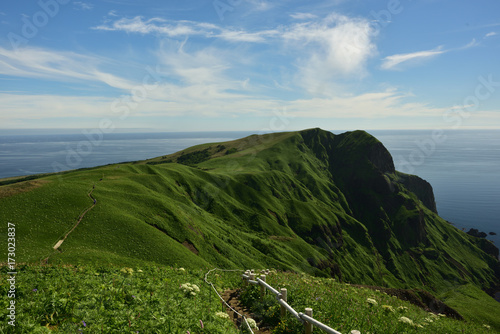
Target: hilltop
(308, 201)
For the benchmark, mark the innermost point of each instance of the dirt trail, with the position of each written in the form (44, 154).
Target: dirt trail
(80, 218)
(231, 297)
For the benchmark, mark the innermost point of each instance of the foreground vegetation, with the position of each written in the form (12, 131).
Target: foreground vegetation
(346, 308)
(156, 299)
(104, 299)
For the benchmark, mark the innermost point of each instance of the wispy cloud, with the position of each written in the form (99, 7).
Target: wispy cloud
(471, 44)
(184, 28)
(396, 62)
(337, 46)
(201, 101)
(392, 62)
(303, 16)
(80, 5)
(261, 5)
(490, 34)
(58, 66)
(388, 103)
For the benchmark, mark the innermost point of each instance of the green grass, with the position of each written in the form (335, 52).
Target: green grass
(310, 201)
(473, 304)
(346, 308)
(150, 299)
(107, 299)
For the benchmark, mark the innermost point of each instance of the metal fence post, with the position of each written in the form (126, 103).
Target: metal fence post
(283, 292)
(308, 326)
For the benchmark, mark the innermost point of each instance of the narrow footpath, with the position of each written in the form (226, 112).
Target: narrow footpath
(80, 218)
(231, 297)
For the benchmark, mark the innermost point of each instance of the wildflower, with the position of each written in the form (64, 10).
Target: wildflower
(201, 324)
(402, 308)
(222, 315)
(181, 269)
(189, 289)
(428, 319)
(388, 308)
(128, 271)
(371, 301)
(252, 323)
(442, 315)
(139, 270)
(84, 324)
(406, 320)
(355, 331)
(487, 326)
(35, 290)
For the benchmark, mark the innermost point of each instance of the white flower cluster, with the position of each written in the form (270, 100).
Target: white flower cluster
(252, 323)
(222, 315)
(371, 301)
(190, 289)
(406, 320)
(127, 271)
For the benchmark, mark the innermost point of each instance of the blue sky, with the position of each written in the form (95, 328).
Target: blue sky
(197, 65)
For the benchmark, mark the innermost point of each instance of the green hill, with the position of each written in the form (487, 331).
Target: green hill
(309, 201)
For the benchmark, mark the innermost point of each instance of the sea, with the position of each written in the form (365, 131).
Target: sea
(463, 166)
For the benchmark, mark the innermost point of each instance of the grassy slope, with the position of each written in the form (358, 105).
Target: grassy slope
(285, 200)
(149, 299)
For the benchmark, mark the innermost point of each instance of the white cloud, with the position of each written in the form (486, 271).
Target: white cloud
(58, 66)
(392, 62)
(335, 47)
(303, 16)
(261, 5)
(490, 34)
(19, 106)
(112, 13)
(372, 105)
(80, 5)
(471, 44)
(185, 28)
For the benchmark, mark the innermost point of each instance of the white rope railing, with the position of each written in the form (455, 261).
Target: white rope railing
(222, 299)
(307, 319)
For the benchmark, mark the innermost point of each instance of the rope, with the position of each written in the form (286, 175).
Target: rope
(220, 297)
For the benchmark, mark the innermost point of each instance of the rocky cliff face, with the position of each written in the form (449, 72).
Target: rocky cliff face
(421, 188)
(398, 210)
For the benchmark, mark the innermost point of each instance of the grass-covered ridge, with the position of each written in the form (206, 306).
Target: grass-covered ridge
(309, 201)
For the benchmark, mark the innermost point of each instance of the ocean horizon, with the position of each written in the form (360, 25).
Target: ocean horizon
(463, 166)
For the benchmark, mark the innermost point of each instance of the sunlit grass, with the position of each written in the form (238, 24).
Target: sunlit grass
(104, 299)
(346, 308)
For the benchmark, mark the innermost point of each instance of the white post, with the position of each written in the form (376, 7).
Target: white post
(283, 292)
(262, 287)
(308, 326)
